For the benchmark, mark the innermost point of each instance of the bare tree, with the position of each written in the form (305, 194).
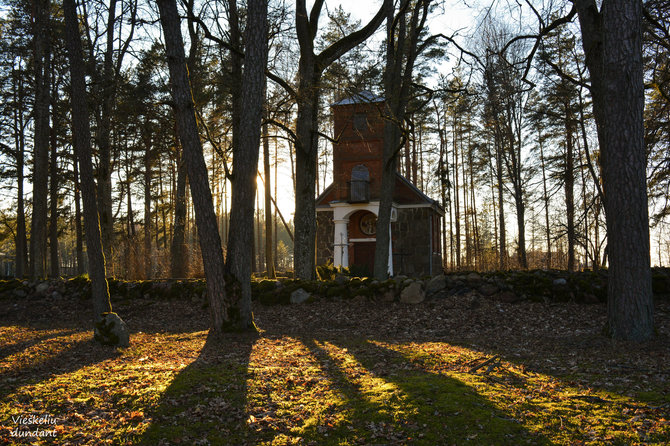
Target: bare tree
(81, 133)
(210, 241)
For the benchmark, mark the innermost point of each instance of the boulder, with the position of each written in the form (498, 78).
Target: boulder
(412, 294)
(436, 285)
(18, 292)
(560, 282)
(299, 296)
(42, 288)
(111, 330)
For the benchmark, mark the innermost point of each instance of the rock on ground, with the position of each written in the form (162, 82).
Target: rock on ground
(436, 285)
(299, 296)
(111, 330)
(412, 294)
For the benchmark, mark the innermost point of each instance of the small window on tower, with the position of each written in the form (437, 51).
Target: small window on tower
(360, 122)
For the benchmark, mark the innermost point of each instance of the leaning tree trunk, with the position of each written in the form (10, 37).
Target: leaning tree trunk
(82, 145)
(612, 39)
(208, 233)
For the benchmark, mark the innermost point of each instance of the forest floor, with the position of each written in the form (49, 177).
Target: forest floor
(442, 372)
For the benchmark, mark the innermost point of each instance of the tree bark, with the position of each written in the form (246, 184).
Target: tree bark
(82, 144)
(210, 242)
(612, 40)
(245, 158)
(42, 67)
(178, 258)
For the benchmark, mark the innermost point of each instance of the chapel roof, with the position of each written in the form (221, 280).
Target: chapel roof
(363, 97)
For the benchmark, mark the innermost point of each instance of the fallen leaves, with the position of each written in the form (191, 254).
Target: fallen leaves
(340, 373)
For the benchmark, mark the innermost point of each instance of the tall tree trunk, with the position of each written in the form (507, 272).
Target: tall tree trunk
(612, 39)
(20, 140)
(210, 242)
(82, 145)
(501, 210)
(521, 227)
(104, 136)
(306, 150)
(42, 67)
(569, 180)
(178, 257)
(466, 210)
(79, 236)
(457, 205)
(54, 263)
(401, 53)
(148, 255)
(269, 262)
(545, 198)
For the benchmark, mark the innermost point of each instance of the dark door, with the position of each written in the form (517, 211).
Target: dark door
(363, 263)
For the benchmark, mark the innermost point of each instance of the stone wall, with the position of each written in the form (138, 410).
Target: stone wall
(325, 230)
(411, 242)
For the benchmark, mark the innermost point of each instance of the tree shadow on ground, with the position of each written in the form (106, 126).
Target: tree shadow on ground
(16, 347)
(73, 354)
(205, 403)
(392, 401)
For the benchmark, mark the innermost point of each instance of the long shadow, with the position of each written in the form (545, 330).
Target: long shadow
(82, 353)
(421, 408)
(205, 403)
(15, 347)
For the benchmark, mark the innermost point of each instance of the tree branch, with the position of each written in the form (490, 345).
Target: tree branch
(340, 47)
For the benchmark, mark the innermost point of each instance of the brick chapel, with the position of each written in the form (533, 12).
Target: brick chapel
(347, 209)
